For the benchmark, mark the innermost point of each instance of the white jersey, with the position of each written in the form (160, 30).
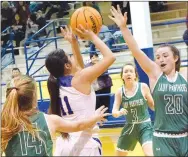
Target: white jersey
(77, 106)
(74, 104)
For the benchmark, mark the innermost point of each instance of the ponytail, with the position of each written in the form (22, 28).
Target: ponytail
(13, 120)
(53, 89)
(55, 64)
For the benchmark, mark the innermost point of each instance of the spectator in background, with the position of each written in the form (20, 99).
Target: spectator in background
(13, 6)
(54, 7)
(15, 73)
(38, 19)
(41, 22)
(7, 15)
(106, 37)
(19, 29)
(32, 28)
(157, 6)
(34, 6)
(63, 10)
(59, 7)
(92, 4)
(22, 9)
(125, 7)
(102, 85)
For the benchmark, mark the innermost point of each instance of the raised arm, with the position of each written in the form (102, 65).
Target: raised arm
(148, 96)
(117, 102)
(146, 63)
(69, 36)
(91, 73)
(61, 125)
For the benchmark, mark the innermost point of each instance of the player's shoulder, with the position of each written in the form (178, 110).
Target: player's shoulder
(120, 89)
(79, 77)
(144, 86)
(183, 73)
(119, 92)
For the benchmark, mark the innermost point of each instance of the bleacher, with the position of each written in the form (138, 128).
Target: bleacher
(171, 14)
(162, 33)
(176, 5)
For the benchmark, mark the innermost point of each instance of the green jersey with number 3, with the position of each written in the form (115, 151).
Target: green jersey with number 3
(171, 104)
(24, 144)
(136, 106)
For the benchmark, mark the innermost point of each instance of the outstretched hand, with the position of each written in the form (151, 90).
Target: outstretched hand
(118, 18)
(67, 34)
(100, 114)
(85, 33)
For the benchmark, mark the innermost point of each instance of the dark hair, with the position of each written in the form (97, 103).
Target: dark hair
(16, 69)
(54, 63)
(53, 89)
(93, 54)
(131, 64)
(175, 53)
(33, 17)
(54, 108)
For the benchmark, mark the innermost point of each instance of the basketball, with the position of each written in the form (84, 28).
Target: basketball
(85, 15)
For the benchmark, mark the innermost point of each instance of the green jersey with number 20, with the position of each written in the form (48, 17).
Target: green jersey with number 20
(171, 104)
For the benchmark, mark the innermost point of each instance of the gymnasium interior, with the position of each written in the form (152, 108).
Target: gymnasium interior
(167, 26)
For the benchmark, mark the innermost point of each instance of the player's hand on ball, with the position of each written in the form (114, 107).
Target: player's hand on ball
(85, 33)
(67, 34)
(100, 114)
(118, 18)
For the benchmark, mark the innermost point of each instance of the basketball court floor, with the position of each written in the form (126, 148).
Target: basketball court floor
(109, 139)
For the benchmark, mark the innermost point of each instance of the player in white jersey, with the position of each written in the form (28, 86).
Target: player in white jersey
(71, 94)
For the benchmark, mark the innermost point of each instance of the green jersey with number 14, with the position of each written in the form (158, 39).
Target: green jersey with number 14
(24, 144)
(171, 104)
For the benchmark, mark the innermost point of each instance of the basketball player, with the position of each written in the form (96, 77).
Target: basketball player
(27, 132)
(70, 90)
(169, 88)
(134, 97)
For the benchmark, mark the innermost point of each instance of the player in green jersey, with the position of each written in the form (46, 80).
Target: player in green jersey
(169, 88)
(134, 98)
(27, 132)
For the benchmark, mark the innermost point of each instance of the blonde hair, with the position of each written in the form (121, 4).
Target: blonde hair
(20, 104)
